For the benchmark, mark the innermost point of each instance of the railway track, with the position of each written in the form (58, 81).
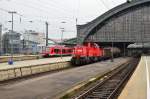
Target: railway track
(111, 86)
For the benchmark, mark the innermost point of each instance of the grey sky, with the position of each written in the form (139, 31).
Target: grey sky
(54, 11)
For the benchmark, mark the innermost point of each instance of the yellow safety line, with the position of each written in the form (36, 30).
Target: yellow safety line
(148, 82)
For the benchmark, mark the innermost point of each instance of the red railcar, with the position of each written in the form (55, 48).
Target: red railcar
(57, 51)
(91, 52)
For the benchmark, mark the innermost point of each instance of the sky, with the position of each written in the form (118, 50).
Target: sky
(32, 14)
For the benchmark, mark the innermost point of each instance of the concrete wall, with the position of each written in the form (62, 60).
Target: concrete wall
(19, 72)
(1, 39)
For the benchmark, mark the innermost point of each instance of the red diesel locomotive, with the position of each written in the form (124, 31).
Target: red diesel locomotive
(91, 52)
(57, 51)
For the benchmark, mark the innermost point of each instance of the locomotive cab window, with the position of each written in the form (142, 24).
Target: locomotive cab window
(70, 51)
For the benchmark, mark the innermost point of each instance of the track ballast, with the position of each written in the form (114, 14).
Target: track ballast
(111, 87)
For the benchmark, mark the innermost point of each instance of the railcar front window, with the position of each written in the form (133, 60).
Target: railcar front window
(56, 51)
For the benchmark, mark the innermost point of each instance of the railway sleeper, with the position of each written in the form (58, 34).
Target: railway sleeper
(108, 88)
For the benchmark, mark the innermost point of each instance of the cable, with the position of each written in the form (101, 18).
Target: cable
(39, 20)
(49, 12)
(36, 9)
(43, 9)
(4, 10)
(113, 2)
(50, 3)
(99, 3)
(21, 15)
(104, 4)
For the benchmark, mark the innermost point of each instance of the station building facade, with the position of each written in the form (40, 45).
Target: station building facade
(126, 23)
(11, 42)
(1, 47)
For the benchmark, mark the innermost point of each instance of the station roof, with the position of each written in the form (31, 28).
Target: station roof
(72, 41)
(85, 30)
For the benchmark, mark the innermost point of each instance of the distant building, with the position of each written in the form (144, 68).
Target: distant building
(29, 47)
(11, 42)
(1, 50)
(34, 41)
(34, 36)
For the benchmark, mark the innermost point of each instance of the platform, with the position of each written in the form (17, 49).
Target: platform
(19, 58)
(138, 85)
(16, 56)
(53, 85)
(27, 63)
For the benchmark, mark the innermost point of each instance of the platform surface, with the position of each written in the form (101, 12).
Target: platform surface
(138, 85)
(52, 85)
(33, 62)
(17, 56)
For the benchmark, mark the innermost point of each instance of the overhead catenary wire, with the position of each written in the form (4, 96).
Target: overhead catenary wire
(23, 16)
(35, 8)
(55, 5)
(49, 3)
(5, 22)
(4, 10)
(106, 6)
(37, 20)
(42, 8)
(46, 6)
(70, 18)
(52, 4)
(18, 13)
(113, 2)
(99, 3)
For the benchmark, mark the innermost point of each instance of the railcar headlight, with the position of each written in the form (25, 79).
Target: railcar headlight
(79, 50)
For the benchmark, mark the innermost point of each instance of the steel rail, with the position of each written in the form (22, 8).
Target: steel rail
(110, 87)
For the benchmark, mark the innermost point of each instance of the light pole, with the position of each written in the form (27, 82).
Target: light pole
(46, 23)
(124, 49)
(29, 49)
(12, 13)
(112, 54)
(62, 32)
(77, 29)
(113, 39)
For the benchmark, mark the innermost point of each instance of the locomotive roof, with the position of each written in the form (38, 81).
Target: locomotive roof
(58, 46)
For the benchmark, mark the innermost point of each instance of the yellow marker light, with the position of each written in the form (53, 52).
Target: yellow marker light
(92, 79)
